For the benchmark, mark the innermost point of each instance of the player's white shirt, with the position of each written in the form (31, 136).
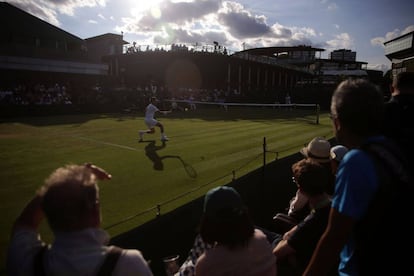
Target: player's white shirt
(150, 111)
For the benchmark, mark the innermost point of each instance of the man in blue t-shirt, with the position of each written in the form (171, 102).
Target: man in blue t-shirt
(367, 221)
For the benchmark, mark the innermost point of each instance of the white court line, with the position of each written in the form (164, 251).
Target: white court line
(106, 143)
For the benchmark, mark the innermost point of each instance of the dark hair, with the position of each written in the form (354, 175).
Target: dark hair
(230, 227)
(312, 177)
(359, 105)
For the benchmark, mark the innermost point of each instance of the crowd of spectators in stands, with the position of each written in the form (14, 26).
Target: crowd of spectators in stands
(38, 94)
(63, 94)
(216, 48)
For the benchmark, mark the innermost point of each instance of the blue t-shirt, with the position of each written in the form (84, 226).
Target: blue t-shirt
(355, 186)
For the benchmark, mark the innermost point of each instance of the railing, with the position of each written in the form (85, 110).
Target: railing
(208, 48)
(157, 209)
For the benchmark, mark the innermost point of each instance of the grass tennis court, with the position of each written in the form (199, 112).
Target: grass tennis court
(207, 148)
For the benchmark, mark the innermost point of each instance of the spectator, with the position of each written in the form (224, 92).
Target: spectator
(287, 99)
(191, 103)
(337, 153)
(399, 112)
(70, 201)
(318, 151)
(238, 248)
(294, 250)
(372, 194)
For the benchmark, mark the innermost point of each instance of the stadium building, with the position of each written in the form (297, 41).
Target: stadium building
(400, 51)
(34, 52)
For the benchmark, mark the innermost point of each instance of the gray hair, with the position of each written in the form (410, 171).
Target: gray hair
(359, 106)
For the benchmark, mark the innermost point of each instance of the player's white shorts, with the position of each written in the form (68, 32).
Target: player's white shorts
(150, 122)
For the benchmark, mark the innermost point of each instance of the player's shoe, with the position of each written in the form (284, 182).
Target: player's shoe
(164, 139)
(141, 136)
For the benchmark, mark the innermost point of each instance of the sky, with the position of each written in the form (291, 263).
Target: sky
(358, 25)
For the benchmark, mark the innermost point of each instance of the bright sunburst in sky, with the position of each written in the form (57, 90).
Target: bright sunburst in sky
(138, 8)
(359, 25)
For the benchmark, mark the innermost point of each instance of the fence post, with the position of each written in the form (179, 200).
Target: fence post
(158, 210)
(264, 167)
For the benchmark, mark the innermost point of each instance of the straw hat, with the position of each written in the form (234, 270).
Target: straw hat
(318, 149)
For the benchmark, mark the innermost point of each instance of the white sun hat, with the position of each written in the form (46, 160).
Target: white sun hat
(317, 149)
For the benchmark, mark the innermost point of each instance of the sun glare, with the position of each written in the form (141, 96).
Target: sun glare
(140, 7)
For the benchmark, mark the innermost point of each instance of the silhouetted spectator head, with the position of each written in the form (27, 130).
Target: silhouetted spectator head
(357, 108)
(71, 199)
(311, 177)
(337, 153)
(403, 83)
(225, 218)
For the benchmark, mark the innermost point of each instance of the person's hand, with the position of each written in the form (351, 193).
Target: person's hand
(100, 173)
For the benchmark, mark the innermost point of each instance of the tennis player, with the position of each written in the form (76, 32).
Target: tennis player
(151, 122)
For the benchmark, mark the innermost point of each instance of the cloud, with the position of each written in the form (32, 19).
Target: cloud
(240, 23)
(408, 29)
(379, 41)
(175, 13)
(199, 21)
(332, 7)
(379, 67)
(183, 35)
(49, 10)
(39, 10)
(227, 22)
(341, 41)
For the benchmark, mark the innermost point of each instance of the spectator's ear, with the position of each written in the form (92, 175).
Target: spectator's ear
(336, 123)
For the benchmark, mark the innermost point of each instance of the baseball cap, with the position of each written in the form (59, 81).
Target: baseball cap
(338, 152)
(318, 149)
(223, 197)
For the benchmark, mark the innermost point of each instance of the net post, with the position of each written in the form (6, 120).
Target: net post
(318, 109)
(264, 152)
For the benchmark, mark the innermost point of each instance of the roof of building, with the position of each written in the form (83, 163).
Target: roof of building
(397, 50)
(107, 36)
(16, 21)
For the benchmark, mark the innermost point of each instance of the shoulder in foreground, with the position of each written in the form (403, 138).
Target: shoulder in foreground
(356, 156)
(132, 261)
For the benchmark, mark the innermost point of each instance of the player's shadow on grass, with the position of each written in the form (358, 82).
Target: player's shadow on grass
(151, 152)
